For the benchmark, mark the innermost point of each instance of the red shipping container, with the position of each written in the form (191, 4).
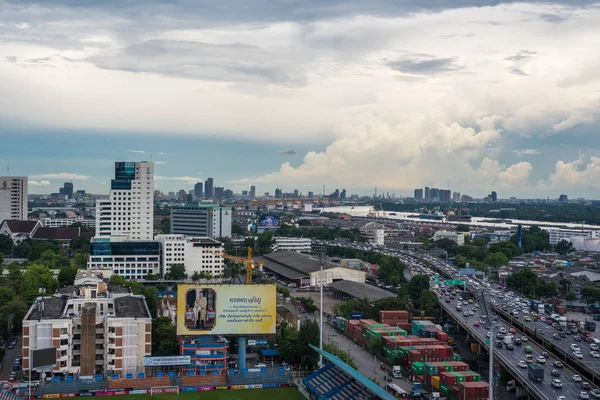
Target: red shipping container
(448, 378)
(407, 326)
(350, 325)
(366, 322)
(473, 391)
(443, 337)
(414, 355)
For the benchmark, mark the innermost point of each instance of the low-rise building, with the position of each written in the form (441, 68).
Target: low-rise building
(63, 222)
(558, 234)
(19, 230)
(96, 328)
(456, 237)
(132, 259)
(196, 253)
(300, 245)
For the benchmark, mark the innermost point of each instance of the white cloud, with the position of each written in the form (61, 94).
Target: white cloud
(573, 175)
(161, 154)
(527, 152)
(39, 183)
(159, 162)
(187, 179)
(69, 176)
(135, 151)
(574, 120)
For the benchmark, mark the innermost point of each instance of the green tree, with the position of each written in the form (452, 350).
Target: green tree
(374, 346)
(495, 260)
(590, 294)
(6, 245)
(308, 334)
(66, 275)
(6, 295)
(35, 277)
(416, 285)
(80, 259)
(534, 239)
(80, 245)
(164, 337)
(564, 247)
(570, 297)
(462, 228)
(523, 281)
(287, 344)
(447, 244)
(177, 273)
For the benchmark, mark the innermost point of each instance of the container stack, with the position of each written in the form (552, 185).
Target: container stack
(393, 318)
(431, 378)
(340, 323)
(473, 391)
(353, 329)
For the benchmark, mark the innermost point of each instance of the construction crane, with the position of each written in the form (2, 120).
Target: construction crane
(250, 263)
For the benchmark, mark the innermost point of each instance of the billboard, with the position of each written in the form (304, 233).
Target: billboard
(226, 309)
(43, 357)
(166, 361)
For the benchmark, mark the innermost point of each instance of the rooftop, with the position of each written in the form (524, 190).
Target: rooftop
(118, 289)
(20, 226)
(591, 276)
(361, 290)
(53, 308)
(301, 263)
(131, 307)
(64, 233)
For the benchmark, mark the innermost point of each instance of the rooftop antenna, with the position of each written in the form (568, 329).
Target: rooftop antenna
(8, 168)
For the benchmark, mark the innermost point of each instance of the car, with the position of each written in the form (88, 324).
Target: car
(534, 314)
(575, 347)
(540, 359)
(595, 393)
(260, 365)
(594, 347)
(543, 319)
(488, 334)
(448, 300)
(556, 336)
(474, 308)
(576, 378)
(561, 398)
(577, 338)
(471, 313)
(556, 383)
(12, 376)
(595, 354)
(476, 323)
(541, 332)
(499, 344)
(578, 355)
(499, 336)
(11, 345)
(510, 347)
(527, 318)
(555, 373)
(558, 364)
(16, 367)
(518, 342)
(524, 338)
(528, 358)
(562, 334)
(513, 331)
(466, 314)
(584, 395)
(522, 364)
(528, 349)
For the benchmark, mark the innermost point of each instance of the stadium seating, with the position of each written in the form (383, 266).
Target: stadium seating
(330, 382)
(139, 383)
(206, 380)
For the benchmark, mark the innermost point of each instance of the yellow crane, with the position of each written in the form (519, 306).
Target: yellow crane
(250, 263)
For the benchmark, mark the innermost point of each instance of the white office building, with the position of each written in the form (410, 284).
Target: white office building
(132, 259)
(456, 237)
(13, 198)
(557, 234)
(201, 220)
(193, 252)
(299, 245)
(62, 222)
(129, 209)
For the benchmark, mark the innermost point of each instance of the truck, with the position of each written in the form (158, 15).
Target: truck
(396, 371)
(535, 372)
(508, 339)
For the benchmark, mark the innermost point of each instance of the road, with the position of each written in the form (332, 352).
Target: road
(8, 360)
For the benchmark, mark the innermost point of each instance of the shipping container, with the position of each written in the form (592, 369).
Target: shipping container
(366, 322)
(448, 378)
(444, 388)
(473, 391)
(417, 368)
(435, 382)
(456, 357)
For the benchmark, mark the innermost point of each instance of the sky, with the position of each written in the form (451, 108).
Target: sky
(467, 95)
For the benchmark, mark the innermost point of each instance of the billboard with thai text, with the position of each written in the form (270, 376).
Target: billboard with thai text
(226, 309)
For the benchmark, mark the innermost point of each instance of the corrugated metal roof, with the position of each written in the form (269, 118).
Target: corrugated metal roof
(362, 290)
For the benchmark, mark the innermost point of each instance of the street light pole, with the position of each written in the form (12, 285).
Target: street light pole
(321, 313)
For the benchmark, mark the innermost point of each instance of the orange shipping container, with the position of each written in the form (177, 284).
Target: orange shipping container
(435, 382)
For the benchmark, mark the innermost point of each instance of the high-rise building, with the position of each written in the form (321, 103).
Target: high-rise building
(219, 192)
(133, 259)
(311, 195)
(427, 193)
(208, 189)
(129, 210)
(278, 193)
(198, 190)
(201, 220)
(252, 192)
(563, 198)
(181, 195)
(97, 328)
(228, 194)
(445, 195)
(13, 197)
(493, 196)
(66, 190)
(296, 193)
(418, 194)
(434, 194)
(343, 194)
(456, 197)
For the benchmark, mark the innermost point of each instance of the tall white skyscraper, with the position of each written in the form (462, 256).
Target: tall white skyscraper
(129, 211)
(13, 197)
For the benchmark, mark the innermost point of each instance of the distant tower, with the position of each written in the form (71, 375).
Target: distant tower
(519, 235)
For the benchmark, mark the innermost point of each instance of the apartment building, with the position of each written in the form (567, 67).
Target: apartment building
(201, 220)
(97, 328)
(300, 245)
(63, 222)
(456, 237)
(557, 234)
(193, 252)
(132, 259)
(13, 198)
(129, 209)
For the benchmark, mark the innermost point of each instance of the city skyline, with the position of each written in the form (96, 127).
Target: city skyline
(356, 95)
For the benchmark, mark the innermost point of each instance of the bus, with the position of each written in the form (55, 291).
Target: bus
(396, 391)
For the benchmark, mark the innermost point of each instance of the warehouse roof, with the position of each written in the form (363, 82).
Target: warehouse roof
(361, 290)
(298, 262)
(131, 307)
